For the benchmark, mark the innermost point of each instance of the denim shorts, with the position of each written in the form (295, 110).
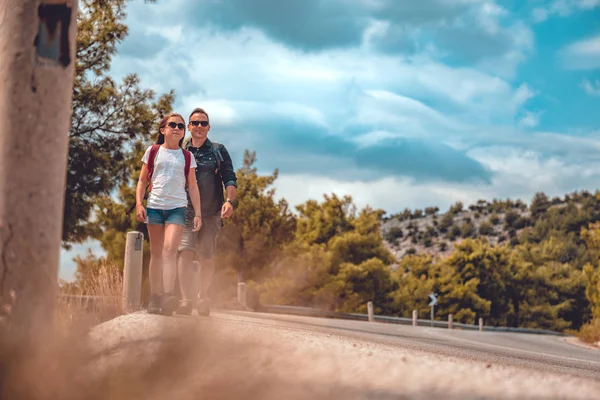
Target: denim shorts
(162, 217)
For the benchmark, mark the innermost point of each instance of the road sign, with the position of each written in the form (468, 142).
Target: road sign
(433, 297)
(432, 303)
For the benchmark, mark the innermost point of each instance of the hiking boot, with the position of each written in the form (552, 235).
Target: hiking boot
(203, 307)
(185, 307)
(169, 304)
(154, 304)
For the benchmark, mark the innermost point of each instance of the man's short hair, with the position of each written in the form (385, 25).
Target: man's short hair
(200, 111)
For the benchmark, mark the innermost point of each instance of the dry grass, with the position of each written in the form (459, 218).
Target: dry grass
(96, 301)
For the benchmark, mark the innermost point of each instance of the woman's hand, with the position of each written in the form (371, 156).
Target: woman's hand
(140, 212)
(197, 223)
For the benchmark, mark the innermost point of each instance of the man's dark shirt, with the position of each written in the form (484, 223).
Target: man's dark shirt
(210, 177)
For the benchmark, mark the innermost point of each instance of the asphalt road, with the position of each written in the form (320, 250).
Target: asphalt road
(539, 352)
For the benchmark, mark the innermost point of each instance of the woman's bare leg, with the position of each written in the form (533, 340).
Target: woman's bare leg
(156, 234)
(173, 233)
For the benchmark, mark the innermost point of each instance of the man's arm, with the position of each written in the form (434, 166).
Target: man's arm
(228, 174)
(229, 181)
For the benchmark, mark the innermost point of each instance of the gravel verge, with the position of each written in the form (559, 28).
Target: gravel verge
(229, 357)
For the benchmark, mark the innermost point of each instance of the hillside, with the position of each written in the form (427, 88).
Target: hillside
(429, 232)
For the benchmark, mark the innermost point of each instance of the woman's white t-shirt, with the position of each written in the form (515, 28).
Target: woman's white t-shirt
(168, 180)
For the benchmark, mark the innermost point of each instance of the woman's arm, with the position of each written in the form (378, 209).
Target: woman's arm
(139, 193)
(195, 197)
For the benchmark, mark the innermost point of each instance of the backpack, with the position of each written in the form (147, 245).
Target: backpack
(151, 158)
(218, 156)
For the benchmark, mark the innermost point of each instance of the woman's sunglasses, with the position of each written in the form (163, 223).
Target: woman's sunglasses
(196, 123)
(175, 125)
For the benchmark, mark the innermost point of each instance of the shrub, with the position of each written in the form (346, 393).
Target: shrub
(485, 228)
(590, 332)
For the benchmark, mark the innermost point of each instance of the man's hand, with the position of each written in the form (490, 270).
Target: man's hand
(226, 210)
(197, 224)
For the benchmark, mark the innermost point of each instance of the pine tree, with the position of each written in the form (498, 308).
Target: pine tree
(108, 117)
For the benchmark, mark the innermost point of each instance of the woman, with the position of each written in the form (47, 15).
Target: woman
(167, 167)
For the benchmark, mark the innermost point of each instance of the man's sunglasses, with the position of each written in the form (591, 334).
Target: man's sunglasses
(175, 125)
(196, 123)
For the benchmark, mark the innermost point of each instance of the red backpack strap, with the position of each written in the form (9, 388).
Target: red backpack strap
(188, 161)
(151, 157)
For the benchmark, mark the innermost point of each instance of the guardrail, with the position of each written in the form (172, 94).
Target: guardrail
(132, 285)
(315, 312)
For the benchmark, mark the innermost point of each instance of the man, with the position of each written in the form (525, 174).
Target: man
(213, 173)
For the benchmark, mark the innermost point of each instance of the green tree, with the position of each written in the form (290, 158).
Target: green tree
(416, 277)
(107, 117)
(394, 233)
(456, 208)
(353, 262)
(550, 294)
(510, 218)
(355, 285)
(319, 223)
(260, 225)
(539, 204)
(591, 270)
(431, 210)
(477, 284)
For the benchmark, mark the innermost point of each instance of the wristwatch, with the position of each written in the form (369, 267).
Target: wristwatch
(229, 201)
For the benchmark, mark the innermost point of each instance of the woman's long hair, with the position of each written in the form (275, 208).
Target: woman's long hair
(163, 123)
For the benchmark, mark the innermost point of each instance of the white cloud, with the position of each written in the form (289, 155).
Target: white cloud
(529, 120)
(523, 43)
(245, 72)
(403, 115)
(590, 87)
(584, 54)
(539, 14)
(264, 66)
(519, 174)
(563, 8)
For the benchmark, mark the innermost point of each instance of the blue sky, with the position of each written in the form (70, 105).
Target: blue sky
(399, 103)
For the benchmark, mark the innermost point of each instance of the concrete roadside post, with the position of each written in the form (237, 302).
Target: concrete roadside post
(370, 311)
(480, 324)
(414, 317)
(241, 293)
(132, 272)
(37, 60)
(450, 321)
